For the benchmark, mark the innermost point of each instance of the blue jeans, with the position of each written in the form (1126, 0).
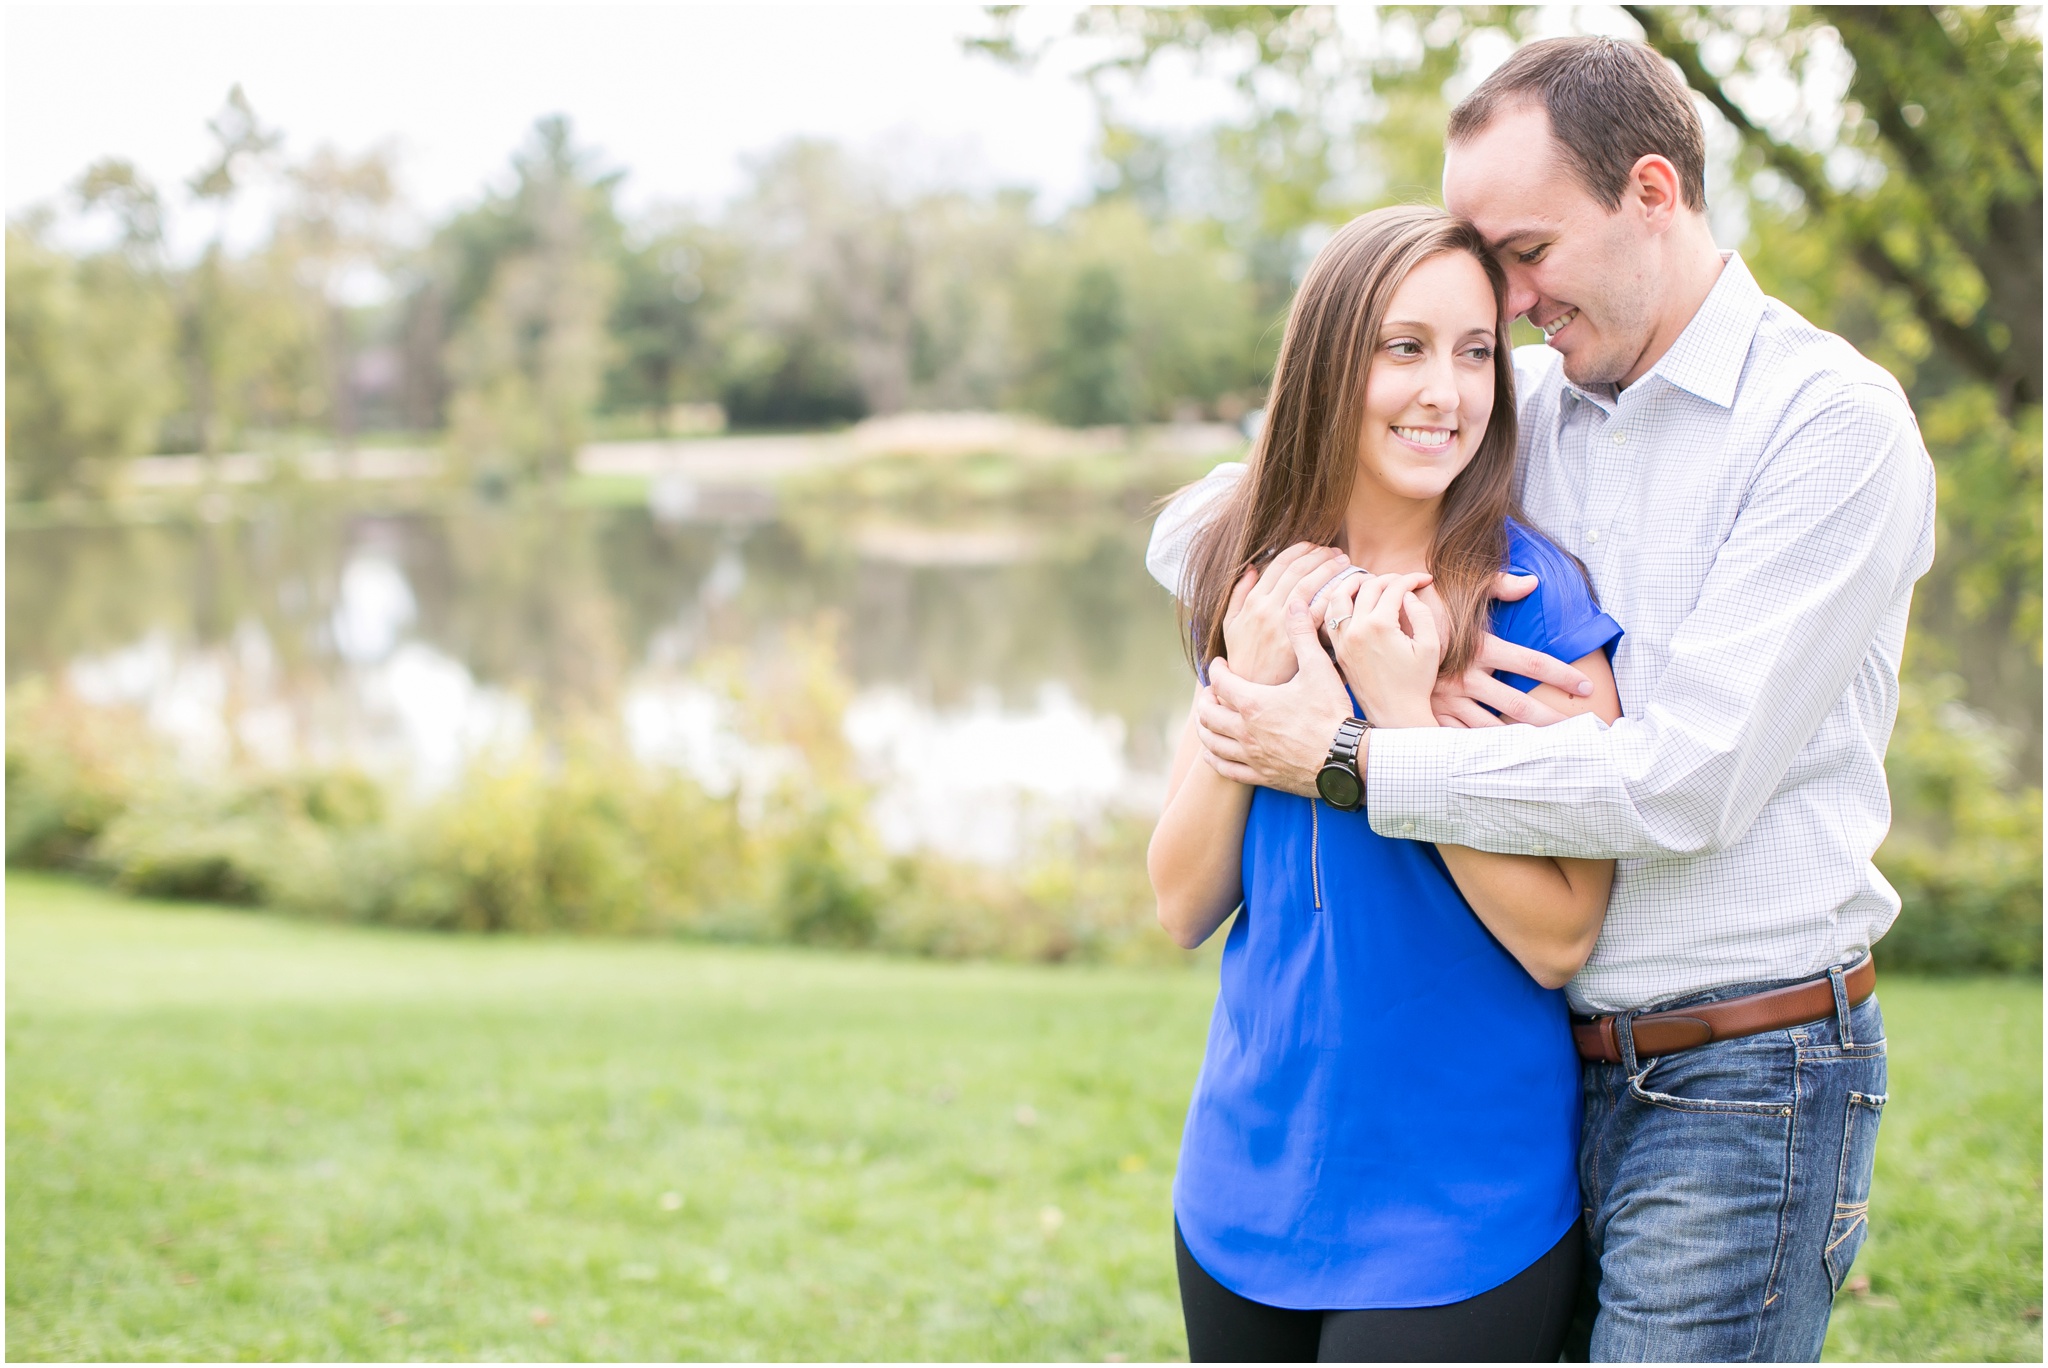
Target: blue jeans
(1727, 1188)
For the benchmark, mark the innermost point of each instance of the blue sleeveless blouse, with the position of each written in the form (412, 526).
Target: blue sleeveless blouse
(1388, 1111)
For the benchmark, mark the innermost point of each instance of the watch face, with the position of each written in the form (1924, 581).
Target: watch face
(1340, 787)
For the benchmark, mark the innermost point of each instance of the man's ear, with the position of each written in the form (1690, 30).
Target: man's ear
(1654, 186)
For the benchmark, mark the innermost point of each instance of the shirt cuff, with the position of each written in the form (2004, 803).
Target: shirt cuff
(1408, 783)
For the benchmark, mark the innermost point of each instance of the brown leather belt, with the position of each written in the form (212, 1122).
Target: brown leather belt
(1663, 1033)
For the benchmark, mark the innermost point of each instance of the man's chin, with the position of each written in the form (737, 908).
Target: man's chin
(1583, 366)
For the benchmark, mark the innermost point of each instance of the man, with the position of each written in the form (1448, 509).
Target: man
(1753, 502)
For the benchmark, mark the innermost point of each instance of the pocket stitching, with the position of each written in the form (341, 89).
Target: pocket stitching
(1706, 1105)
(1850, 1217)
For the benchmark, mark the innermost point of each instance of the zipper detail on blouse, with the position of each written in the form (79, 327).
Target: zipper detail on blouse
(1315, 852)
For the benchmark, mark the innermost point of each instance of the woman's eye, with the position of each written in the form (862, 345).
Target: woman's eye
(1405, 348)
(1479, 353)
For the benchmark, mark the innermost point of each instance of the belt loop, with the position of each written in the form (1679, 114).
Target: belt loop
(1841, 1004)
(1625, 1041)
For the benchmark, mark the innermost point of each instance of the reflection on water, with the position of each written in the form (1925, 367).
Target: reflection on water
(1010, 673)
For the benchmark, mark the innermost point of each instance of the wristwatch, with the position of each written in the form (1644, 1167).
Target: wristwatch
(1338, 780)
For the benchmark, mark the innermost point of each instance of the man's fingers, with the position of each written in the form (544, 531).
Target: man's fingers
(1469, 714)
(1215, 717)
(1509, 588)
(1511, 702)
(1495, 654)
(1232, 770)
(1222, 747)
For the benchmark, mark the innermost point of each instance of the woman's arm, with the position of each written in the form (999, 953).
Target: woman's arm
(1545, 911)
(1195, 859)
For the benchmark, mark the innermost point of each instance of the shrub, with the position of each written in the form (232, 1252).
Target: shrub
(1965, 847)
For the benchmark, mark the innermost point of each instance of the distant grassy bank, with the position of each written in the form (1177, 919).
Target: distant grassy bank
(237, 1136)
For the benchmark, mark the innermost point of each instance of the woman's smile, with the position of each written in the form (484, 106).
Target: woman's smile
(1431, 439)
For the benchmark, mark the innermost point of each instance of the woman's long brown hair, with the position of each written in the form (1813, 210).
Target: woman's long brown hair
(1306, 456)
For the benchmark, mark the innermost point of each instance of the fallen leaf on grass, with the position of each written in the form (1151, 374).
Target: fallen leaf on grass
(671, 1201)
(540, 1317)
(1858, 1286)
(187, 1279)
(392, 1316)
(2032, 1313)
(1026, 1116)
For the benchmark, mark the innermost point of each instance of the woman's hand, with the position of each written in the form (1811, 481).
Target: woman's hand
(1255, 637)
(1388, 646)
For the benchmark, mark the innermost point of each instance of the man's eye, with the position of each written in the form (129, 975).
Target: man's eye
(1533, 255)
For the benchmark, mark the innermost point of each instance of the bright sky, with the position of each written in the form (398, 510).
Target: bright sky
(678, 95)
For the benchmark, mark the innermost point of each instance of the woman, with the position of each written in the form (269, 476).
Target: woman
(1379, 1155)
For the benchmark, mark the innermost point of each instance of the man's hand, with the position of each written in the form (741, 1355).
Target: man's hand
(1274, 735)
(1255, 623)
(1457, 700)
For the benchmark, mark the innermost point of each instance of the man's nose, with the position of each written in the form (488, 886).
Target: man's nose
(1522, 296)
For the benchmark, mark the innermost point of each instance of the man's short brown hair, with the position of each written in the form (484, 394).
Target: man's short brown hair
(1611, 103)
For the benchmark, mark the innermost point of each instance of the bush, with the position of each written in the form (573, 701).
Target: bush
(586, 839)
(1965, 847)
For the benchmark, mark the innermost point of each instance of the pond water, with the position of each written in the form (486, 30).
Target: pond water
(1006, 671)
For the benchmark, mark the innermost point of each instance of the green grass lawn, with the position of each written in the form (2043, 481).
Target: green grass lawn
(233, 1136)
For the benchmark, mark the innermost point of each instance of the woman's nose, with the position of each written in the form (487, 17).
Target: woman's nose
(1440, 386)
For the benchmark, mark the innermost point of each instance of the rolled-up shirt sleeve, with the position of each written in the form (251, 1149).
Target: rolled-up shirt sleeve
(1836, 525)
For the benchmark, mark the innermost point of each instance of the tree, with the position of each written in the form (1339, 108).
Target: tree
(89, 365)
(671, 289)
(533, 285)
(1890, 174)
(243, 147)
(334, 228)
(1944, 116)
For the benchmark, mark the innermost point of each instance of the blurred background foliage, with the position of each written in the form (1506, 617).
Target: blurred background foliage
(1880, 169)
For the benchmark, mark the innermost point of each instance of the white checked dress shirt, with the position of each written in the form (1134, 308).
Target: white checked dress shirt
(1754, 511)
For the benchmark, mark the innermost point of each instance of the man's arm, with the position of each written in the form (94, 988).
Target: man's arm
(1839, 520)
(1166, 558)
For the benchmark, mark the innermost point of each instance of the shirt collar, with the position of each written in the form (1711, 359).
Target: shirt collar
(1708, 357)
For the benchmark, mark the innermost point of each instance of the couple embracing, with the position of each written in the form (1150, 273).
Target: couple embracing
(1539, 749)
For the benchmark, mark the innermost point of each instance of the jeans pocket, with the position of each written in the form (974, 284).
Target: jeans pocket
(1852, 1187)
(1748, 1076)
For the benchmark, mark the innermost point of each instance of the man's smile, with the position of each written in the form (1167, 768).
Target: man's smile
(1558, 324)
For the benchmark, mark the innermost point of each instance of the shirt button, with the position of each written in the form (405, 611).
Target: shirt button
(1407, 827)
(1592, 534)
(1620, 438)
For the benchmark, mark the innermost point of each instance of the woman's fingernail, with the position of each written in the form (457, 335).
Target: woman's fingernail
(1585, 688)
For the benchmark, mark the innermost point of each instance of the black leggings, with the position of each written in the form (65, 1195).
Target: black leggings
(1522, 1321)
